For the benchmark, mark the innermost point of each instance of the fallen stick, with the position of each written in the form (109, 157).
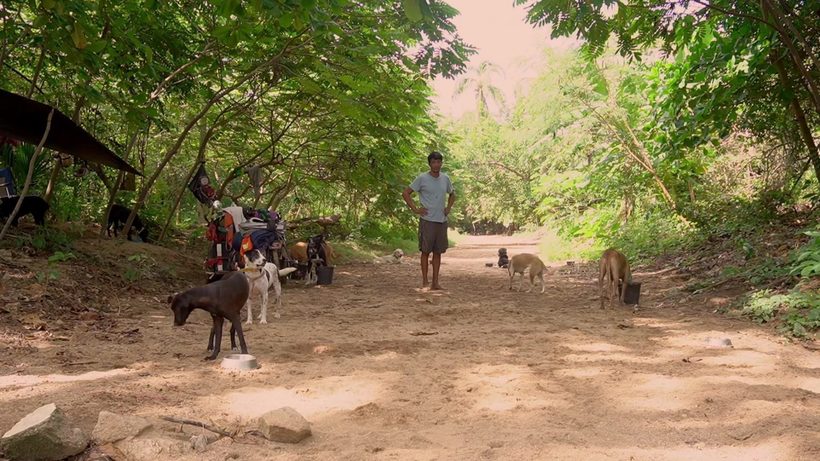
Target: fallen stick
(191, 422)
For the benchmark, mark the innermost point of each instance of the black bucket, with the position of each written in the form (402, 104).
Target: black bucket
(324, 275)
(633, 293)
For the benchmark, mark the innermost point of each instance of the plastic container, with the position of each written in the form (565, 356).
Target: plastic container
(324, 275)
(633, 293)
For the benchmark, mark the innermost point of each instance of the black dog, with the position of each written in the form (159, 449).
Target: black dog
(223, 299)
(317, 256)
(116, 221)
(33, 205)
(503, 260)
(317, 251)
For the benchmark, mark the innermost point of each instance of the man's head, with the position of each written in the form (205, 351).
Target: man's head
(435, 159)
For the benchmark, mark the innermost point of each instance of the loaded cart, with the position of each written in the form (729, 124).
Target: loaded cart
(236, 231)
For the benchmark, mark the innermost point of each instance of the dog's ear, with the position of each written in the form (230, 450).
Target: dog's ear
(171, 298)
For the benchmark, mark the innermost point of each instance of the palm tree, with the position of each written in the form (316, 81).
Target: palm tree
(480, 80)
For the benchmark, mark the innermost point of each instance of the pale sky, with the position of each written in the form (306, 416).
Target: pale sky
(498, 31)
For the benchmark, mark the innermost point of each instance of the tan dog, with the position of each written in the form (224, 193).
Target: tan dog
(299, 252)
(394, 258)
(302, 252)
(520, 263)
(615, 266)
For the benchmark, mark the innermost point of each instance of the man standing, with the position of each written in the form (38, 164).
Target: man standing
(432, 187)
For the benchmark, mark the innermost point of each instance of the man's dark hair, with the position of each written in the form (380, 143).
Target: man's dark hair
(434, 156)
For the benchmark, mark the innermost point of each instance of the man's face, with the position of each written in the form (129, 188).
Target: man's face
(435, 165)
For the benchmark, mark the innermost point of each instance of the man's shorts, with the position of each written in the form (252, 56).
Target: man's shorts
(432, 236)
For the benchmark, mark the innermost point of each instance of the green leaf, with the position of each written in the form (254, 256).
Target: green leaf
(412, 9)
(97, 46)
(286, 20)
(78, 36)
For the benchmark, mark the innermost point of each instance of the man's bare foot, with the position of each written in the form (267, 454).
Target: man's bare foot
(436, 287)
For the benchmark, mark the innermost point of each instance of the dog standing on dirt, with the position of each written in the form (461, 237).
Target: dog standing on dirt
(33, 205)
(316, 252)
(615, 267)
(223, 299)
(116, 221)
(263, 276)
(520, 263)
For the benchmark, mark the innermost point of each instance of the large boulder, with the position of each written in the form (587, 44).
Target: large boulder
(283, 425)
(43, 435)
(112, 427)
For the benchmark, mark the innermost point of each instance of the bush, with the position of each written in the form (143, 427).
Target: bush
(800, 311)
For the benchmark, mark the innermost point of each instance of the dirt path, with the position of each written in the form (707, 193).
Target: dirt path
(385, 372)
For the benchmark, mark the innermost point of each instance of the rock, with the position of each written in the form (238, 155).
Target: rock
(43, 435)
(283, 425)
(112, 427)
(199, 443)
(718, 343)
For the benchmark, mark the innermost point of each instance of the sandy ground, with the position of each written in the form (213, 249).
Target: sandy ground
(385, 372)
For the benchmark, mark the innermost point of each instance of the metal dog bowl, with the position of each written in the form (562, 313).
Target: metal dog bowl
(241, 362)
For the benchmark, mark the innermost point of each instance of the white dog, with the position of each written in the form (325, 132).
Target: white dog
(262, 276)
(394, 258)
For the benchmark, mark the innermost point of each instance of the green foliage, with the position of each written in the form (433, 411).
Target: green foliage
(330, 116)
(554, 247)
(800, 311)
(803, 322)
(653, 234)
(60, 256)
(807, 263)
(45, 239)
(138, 267)
(18, 158)
(763, 306)
(52, 272)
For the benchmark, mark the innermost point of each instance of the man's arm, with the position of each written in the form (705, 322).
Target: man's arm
(421, 211)
(450, 201)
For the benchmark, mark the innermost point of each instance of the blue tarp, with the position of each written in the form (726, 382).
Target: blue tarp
(6, 184)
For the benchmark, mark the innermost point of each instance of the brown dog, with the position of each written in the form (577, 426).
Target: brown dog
(615, 266)
(520, 263)
(315, 252)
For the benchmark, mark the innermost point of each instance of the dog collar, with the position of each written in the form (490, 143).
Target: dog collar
(258, 269)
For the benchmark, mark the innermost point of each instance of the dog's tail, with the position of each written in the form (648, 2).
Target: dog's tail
(286, 271)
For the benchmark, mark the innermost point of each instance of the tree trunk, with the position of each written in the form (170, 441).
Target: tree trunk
(37, 70)
(203, 142)
(58, 165)
(799, 116)
(796, 55)
(112, 195)
(634, 151)
(178, 144)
